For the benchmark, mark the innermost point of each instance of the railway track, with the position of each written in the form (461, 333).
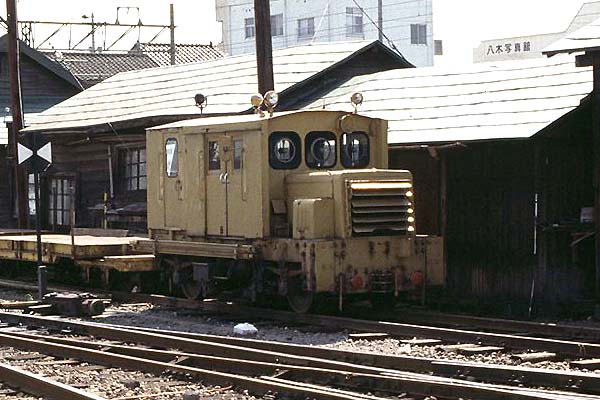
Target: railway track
(318, 372)
(300, 371)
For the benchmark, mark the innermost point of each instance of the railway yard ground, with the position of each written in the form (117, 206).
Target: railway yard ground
(167, 349)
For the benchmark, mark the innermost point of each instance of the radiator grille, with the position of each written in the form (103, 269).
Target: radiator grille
(381, 208)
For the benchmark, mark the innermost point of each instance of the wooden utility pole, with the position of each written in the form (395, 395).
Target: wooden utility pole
(264, 47)
(380, 19)
(20, 194)
(172, 50)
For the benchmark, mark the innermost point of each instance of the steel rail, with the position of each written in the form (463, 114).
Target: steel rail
(317, 357)
(41, 386)
(585, 382)
(392, 381)
(429, 317)
(254, 385)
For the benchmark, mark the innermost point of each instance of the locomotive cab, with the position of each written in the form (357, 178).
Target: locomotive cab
(296, 204)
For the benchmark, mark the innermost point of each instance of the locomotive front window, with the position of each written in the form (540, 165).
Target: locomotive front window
(172, 157)
(284, 150)
(320, 150)
(214, 156)
(355, 150)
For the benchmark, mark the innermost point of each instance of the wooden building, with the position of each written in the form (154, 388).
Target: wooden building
(43, 84)
(500, 156)
(99, 135)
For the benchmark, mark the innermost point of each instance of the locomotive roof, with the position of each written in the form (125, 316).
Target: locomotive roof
(230, 120)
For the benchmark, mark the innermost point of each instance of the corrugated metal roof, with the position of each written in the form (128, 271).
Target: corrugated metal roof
(584, 39)
(482, 102)
(92, 68)
(227, 83)
(184, 53)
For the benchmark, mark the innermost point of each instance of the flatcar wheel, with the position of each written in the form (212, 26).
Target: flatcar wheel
(383, 301)
(299, 300)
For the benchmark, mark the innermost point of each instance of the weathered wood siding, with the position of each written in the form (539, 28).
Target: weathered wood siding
(489, 214)
(564, 169)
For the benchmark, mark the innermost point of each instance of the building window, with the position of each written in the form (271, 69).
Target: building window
(418, 34)
(354, 21)
(238, 148)
(31, 194)
(60, 202)
(277, 25)
(306, 28)
(249, 27)
(135, 169)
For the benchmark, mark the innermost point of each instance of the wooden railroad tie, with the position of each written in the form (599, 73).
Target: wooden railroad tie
(534, 357)
(592, 363)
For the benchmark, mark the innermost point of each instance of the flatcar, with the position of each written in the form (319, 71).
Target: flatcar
(289, 204)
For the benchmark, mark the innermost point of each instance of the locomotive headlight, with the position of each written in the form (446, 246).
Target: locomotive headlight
(409, 194)
(410, 211)
(271, 99)
(411, 228)
(256, 100)
(356, 99)
(411, 219)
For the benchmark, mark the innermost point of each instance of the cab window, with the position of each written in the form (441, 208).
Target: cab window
(320, 149)
(355, 150)
(172, 157)
(285, 150)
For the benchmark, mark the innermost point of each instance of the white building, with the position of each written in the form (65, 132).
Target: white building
(407, 23)
(522, 47)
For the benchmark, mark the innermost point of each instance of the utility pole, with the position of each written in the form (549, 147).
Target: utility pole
(172, 28)
(16, 110)
(264, 48)
(380, 19)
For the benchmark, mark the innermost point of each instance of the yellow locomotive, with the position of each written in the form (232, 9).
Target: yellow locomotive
(293, 204)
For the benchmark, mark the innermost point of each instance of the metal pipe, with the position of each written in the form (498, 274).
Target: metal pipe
(172, 49)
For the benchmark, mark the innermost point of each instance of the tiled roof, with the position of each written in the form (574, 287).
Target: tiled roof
(92, 68)
(507, 100)
(227, 83)
(184, 53)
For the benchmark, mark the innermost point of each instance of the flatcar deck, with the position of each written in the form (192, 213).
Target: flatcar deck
(104, 252)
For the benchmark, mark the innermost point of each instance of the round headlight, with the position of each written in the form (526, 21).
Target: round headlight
(256, 100)
(356, 99)
(271, 99)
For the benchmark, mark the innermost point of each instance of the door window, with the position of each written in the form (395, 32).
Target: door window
(172, 155)
(238, 146)
(214, 156)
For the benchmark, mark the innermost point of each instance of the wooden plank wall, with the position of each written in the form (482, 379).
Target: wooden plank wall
(566, 273)
(35, 81)
(490, 211)
(6, 220)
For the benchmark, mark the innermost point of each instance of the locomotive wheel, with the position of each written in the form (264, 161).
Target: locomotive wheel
(192, 290)
(299, 300)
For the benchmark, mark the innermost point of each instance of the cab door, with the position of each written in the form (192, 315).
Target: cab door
(218, 151)
(173, 184)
